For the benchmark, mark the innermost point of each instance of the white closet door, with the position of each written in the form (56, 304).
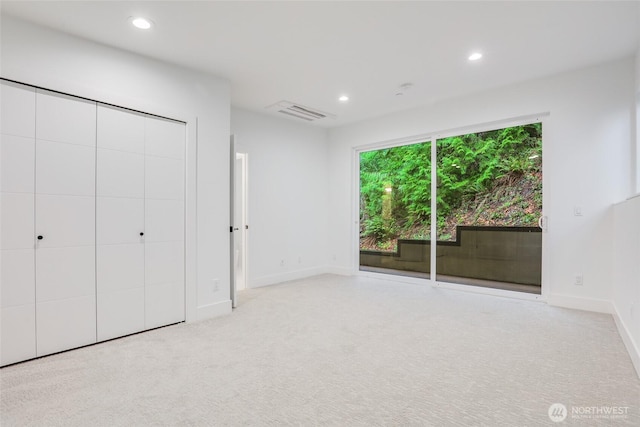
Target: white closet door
(120, 222)
(164, 221)
(65, 222)
(17, 281)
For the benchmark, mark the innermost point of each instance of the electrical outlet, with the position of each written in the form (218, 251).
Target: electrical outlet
(577, 210)
(578, 280)
(216, 285)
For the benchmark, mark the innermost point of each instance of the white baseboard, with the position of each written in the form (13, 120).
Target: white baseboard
(286, 276)
(214, 310)
(504, 293)
(394, 278)
(340, 271)
(602, 306)
(577, 303)
(632, 346)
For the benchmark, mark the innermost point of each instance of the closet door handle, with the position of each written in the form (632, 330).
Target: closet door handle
(40, 237)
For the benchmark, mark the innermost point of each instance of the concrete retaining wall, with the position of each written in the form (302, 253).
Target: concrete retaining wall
(503, 254)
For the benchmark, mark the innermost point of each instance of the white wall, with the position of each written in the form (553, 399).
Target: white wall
(41, 57)
(586, 145)
(288, 196)
(636, 155)
(626, 254)
(626, 275)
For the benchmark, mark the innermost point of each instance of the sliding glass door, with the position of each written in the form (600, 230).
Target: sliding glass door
(488, 208)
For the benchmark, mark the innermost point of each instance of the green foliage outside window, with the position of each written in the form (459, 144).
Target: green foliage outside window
(498, 171)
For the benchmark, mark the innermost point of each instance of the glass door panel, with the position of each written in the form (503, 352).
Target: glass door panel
(395, 210)
(489, 201)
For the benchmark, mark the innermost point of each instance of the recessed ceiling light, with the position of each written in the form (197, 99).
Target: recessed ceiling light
(343, 98)
(475, 56)
(142, 23)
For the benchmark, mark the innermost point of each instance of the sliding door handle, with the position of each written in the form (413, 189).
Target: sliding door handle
(542, 223)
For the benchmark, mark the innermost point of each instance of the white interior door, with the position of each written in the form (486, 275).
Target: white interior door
(233, 228)
(65, 222)
(240, 222)
(120, 224)
(17, 156)
(164, 222)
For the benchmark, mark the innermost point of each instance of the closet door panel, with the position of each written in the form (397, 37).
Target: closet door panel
(120, 313)
(17, 183)
(121, 291)
(65, 218)
(164, 304)
(165, 138)
(129, 273)
(65, 272)
(164, 220)
(65, 324)
(120, 174)
(65, 221)
(18, 277)
(17, 221)
(120, 129)
(119, 220)
(63, 118)
(164, 178)
(17, 157)
(18, 333)
(164, 262)
(65, 169)
(17, 109)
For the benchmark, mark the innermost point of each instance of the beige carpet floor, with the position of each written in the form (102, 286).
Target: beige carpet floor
(340, 351)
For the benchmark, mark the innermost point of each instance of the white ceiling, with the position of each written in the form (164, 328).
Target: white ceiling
(312, 52)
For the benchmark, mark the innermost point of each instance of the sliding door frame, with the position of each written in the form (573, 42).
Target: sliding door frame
(433, 138)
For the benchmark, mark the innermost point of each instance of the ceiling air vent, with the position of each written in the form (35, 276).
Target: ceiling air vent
(298, 111)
